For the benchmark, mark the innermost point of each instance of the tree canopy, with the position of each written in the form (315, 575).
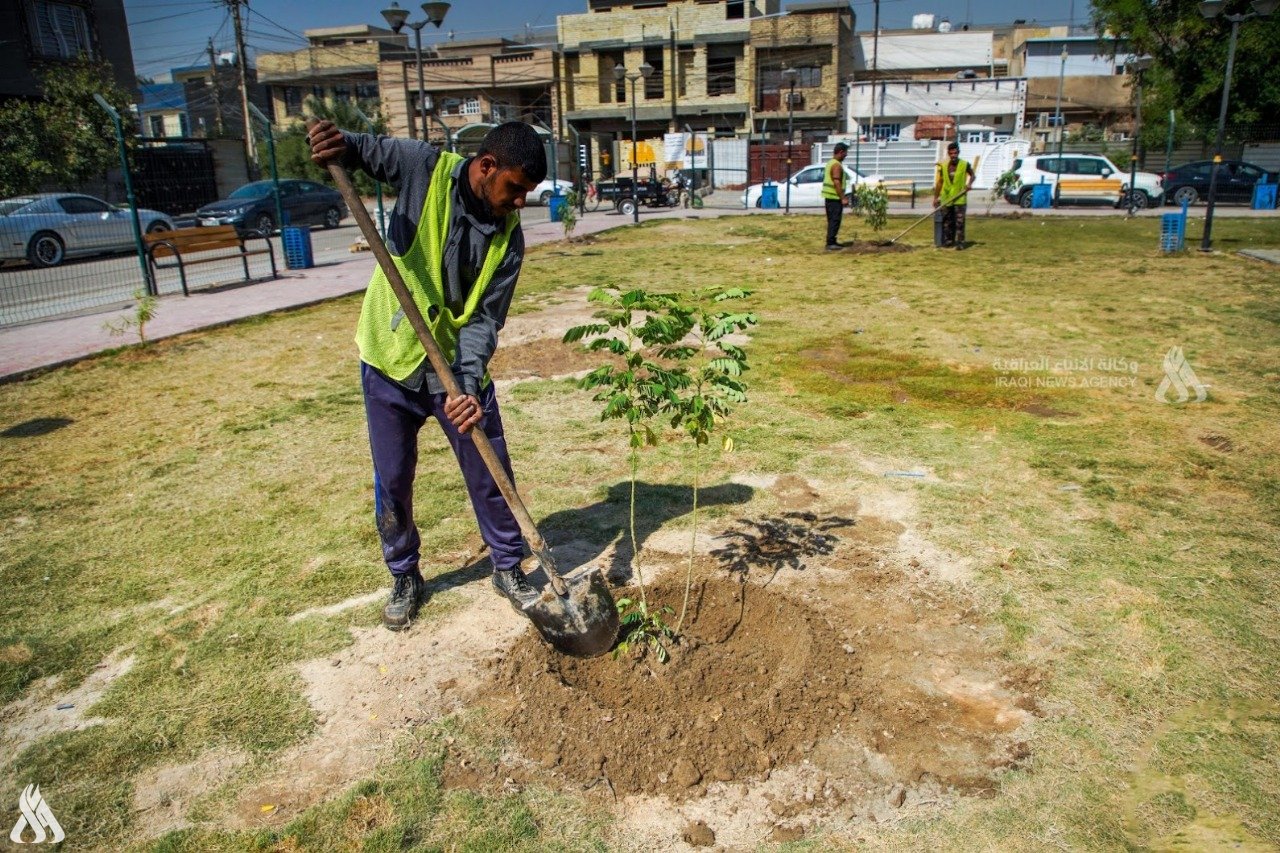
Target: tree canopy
(64, 138)
(1190, 61)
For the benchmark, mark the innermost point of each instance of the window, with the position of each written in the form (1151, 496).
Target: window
(722, 69)
(809, 176)
(1086, 165)
(450, 106)
(471, 107)
(611, 91)
(292, 101)
(886, 132)
(1048, 164)
(58, 30)
(78, 204)
(367, 91)
(734, 10)
(157, 125)
(1249, 173)
(654, 84)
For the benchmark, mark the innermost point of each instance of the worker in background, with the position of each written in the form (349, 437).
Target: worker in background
(951, 186)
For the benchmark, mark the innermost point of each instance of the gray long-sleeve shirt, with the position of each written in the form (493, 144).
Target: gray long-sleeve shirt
(407, 164)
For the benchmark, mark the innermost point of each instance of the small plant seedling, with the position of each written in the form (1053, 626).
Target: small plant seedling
(569, 214)
(642, 626)
(1007, 182)
(144, 312)
(636, 391)
(873, 203)
(708, 382)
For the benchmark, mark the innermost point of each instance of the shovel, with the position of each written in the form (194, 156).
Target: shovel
(912, 226)
(579, 617)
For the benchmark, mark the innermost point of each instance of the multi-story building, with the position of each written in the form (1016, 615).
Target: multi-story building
(40, 34)
(703, 73)
(339, 63)
(200, 101)
(1093, 79)
(468, 82)
(811, 44)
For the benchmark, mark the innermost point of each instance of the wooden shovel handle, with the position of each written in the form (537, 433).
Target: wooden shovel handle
(444, 371)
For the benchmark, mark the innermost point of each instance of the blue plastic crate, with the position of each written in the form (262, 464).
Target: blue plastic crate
(1173, 231)
(297, 248)
(556, 203)
(1264, 197)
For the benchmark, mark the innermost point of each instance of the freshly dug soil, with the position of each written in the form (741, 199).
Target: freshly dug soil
(755, 682)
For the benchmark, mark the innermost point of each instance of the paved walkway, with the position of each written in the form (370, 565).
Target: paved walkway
(30, 349)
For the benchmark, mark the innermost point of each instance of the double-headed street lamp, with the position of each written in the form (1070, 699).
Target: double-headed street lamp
(1136, 67)
(619, 73)
(398, 18)
(789, 76)
(1211, 9)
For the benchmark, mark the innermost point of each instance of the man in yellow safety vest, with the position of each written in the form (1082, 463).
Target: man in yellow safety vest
(455, 237)
(833, 192)
(951, 186)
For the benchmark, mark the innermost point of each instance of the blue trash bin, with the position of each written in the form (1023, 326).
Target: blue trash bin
(1041, 196)
(556, 203)
(1264, 197)
(769, 195)
(1173, 231)
(297, 248)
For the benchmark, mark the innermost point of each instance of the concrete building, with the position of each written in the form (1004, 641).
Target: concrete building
(40, 34)
(1095, 84)
(199, 101)
(816, 40)
(339, 63)
(703, 69)
(468, 82)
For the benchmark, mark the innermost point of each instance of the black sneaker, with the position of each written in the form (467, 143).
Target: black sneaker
(512, 585)
(408, 594)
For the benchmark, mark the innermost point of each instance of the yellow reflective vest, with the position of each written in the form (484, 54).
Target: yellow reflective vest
(386, 340)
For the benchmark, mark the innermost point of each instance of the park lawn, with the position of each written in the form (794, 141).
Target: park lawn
(208, 487)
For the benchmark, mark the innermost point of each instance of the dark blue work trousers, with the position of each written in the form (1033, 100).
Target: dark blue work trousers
(395, 416)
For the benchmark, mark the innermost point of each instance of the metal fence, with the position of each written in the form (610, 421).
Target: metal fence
(76, 249)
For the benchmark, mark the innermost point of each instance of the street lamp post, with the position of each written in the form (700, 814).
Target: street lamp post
(620, 72)
(1211, 9)
(398, 18)
(1057, 122)
(789, 76)
(1136, 67)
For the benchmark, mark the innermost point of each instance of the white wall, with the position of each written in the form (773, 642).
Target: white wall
(924, 50)
(971, 101)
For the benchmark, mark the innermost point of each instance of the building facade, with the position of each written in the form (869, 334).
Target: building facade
(468, 82)
(40, 34)
(338, 63)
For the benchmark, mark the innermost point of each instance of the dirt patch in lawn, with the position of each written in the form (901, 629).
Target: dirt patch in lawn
(876, 247)
(544, 358)
(825, 672)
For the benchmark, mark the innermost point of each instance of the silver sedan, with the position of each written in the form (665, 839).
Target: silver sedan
(48, 228)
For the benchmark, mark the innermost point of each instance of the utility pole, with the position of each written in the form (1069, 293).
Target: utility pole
(217, 94)
(251, 150)
(875, 71)
(675, 70)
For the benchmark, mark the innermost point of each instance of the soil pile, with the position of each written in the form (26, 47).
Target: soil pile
(756, 681)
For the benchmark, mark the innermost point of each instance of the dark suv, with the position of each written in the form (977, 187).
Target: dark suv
(1236, 179)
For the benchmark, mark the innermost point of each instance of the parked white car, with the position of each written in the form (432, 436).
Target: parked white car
(1080, 169)
(48, 228)
(806, 187)
(543, 192)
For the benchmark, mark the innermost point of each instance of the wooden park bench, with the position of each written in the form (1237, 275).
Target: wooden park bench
(1076, 189)
(192, 246)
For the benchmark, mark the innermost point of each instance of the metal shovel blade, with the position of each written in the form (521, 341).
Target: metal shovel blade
(583, 622)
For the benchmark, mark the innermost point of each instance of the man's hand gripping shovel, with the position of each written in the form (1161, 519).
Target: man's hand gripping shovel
(578, 617)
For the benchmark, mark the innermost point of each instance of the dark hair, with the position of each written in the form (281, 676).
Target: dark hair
(953, 146)
(840, 146)
(515, 145)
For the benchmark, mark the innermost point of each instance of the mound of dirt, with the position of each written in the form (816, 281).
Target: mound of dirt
(756, 680)
(852, 670)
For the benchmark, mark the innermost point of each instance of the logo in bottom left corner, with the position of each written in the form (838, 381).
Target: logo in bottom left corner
(36, 819)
